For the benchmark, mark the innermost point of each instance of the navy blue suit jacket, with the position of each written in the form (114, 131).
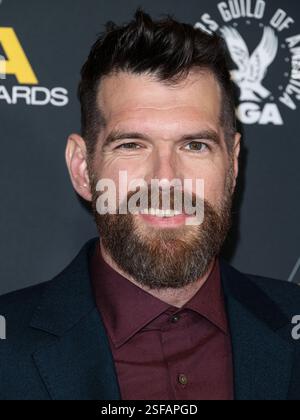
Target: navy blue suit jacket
(57, 347)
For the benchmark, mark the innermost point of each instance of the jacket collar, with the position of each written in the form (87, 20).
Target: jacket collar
(68, 297)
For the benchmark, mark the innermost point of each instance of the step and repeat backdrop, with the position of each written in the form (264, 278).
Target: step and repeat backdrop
(43, 45)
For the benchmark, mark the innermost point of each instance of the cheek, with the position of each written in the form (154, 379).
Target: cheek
(214, 183)
(121, 173)
(214, 190)
(108, 166)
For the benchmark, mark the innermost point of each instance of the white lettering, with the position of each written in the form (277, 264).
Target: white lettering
(251, 113)
(281, 21)
(236, 9)
(21, 92)
(34, 96)
(59, 97)
(40, 96)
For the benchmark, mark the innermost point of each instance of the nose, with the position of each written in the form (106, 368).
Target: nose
(164, 166)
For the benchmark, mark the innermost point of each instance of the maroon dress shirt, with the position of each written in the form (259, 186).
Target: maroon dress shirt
(162, 352)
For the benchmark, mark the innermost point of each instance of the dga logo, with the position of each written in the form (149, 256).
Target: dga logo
(265, 56)
(15, 66)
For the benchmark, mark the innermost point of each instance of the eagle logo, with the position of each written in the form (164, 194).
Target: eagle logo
(251, 69)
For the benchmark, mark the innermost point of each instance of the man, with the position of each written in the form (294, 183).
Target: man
(149, 310)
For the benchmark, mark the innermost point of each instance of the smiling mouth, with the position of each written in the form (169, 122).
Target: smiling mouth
(161, 213)
(163, 218)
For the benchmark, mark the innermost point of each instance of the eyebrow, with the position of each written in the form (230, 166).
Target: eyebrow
(117, 135)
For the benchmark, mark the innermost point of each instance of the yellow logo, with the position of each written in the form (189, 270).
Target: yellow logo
(17, 64)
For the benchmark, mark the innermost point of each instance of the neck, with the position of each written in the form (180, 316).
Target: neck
(173, 297)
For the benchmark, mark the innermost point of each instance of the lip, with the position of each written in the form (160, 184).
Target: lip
(164, 221)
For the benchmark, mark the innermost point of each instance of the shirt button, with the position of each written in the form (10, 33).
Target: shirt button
(175, 319)
(182, 379)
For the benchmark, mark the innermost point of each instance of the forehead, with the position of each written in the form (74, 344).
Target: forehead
(145, 100)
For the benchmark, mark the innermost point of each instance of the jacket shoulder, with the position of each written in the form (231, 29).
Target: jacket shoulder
(284, 293)
(19, 307)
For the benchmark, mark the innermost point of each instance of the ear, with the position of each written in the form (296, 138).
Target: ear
(76, 159)
(236, 154)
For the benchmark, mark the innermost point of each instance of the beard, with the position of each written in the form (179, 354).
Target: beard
(163, 258)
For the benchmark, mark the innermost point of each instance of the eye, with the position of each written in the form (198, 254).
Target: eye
(129, 146)
(196, 146)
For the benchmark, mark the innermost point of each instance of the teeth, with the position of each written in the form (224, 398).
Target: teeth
(177, 213)
(161, 213)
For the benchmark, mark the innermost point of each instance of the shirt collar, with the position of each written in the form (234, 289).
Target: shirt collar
(209, 301)
(126, 308)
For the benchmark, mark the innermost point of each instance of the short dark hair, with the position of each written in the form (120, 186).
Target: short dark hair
(165, 48)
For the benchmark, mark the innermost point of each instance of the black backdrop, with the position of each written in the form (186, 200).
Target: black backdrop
(42, 222)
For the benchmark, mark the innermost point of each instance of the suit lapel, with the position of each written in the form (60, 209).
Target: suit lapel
(262, 357)
(78, 366)
(75, 361)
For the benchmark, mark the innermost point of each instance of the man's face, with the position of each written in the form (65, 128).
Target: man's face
(159, 131)
(180, 132)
